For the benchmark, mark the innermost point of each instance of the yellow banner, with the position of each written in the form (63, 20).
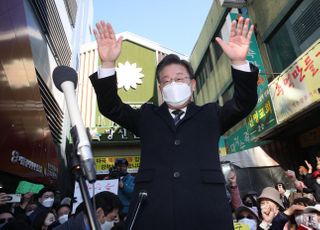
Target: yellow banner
(103, 164)
(298, 86)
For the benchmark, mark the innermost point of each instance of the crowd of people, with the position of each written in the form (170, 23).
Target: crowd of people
(44, 211)
(277, 208)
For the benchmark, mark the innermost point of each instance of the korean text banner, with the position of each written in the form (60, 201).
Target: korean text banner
(298, 86)
(103, 164)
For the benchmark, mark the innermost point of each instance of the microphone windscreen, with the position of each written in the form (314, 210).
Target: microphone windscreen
(64, 73)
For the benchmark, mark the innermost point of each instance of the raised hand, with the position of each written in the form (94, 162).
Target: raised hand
(293, 208)
(309, 166)
(238, 45)
(318, 163)
(291, 175)
(3, 198)
(109, 47)
(232, 178)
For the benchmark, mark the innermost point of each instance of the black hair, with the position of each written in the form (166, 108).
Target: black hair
(63, 205)
(173, 59)
(40, 218)
(108, 201)
(305, 200)
(44, 190)
(121, 161)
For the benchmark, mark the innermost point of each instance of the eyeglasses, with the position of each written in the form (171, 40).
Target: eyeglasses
(179, 79)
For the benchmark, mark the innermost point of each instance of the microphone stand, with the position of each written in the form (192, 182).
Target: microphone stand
(79, 175)
(141, 197)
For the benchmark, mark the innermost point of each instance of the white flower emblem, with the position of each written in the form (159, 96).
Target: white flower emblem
(128, 75)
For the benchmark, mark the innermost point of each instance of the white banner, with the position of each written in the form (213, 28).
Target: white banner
(297, 87)
(99, 186)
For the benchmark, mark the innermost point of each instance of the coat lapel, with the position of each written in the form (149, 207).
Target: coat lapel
(192, 109)
(163, 112)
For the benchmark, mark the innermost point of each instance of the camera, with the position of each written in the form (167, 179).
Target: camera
(114, 173)
(13, 198)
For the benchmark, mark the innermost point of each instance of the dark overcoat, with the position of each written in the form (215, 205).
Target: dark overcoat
(180, 167)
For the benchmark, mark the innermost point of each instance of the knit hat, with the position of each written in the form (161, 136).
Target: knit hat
(271, 194)
(252, 210)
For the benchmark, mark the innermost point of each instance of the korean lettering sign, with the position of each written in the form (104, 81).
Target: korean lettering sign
(103, 164)
(298, 86)
(262, 117)
(239, 141)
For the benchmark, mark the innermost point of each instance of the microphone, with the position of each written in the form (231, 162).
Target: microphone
(65, 79)
(143, 195)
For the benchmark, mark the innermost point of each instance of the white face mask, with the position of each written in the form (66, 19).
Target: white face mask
(48, 203)
(299, 219)
(107, 225)
(62, 219)
(251, 223)
(176, 94)
(318, 180)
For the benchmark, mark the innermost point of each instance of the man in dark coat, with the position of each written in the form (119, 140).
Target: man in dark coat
(180, 167)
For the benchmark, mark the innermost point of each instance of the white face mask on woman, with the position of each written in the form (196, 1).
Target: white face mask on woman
(107, 225)
(176, 94)
(251, 223)
(63, 218)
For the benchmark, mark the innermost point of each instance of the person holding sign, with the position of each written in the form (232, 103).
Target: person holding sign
(179, 175)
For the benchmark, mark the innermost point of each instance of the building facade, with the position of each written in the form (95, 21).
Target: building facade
(285, 48)
(36, 36)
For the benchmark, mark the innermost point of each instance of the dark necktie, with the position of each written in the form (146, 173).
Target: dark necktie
(177, 114)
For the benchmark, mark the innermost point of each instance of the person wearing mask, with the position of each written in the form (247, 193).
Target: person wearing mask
(45, 202)
(309, 218)
(248, 216)
(295, 219)
(63, 211)
(107, 210)
(180, 168)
